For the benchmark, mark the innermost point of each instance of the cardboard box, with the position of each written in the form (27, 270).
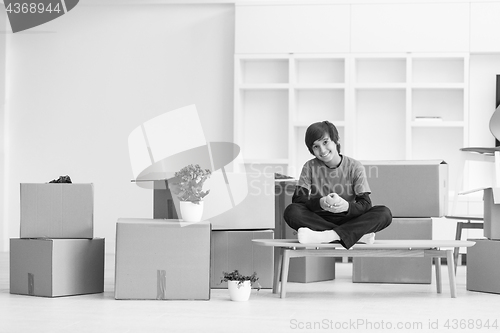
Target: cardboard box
(483, 266)
(162, 259)
(237, 201)
(397, 270)
(57, 210)
(491, 201)
(56, 267)
(309, 269)
(234, 249)
(409, 188)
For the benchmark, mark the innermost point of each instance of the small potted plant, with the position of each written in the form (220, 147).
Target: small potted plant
(239, 285)
(188, 187)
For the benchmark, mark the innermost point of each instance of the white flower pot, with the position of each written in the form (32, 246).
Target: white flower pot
(191, 212)
(239, 292)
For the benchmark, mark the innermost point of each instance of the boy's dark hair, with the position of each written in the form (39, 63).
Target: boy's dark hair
(318, 130)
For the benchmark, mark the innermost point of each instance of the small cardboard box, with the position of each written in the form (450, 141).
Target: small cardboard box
(491, 201)
(234, 249)
(409, 188)
(309, 269)
(483, 266)
(56, 267)
(397, 270)
(57, 210)
(162, 259)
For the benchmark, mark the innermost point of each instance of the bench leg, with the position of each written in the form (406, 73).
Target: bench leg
(277, 272)
(437, 265)
(451, 273)
(284, 271)
(458, 236)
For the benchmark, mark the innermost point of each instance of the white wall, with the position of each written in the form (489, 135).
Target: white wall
(78, 85)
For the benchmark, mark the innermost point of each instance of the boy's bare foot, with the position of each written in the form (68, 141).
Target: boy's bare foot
(368, 238)
(308, 236)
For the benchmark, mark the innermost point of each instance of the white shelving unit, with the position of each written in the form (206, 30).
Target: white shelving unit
(386, 106)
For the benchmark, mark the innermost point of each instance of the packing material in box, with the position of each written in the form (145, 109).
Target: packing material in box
(409, 188)
(162, 259)
(234, 249)
(397, 270)
(57, 210)
(56, 267)
(483, 266)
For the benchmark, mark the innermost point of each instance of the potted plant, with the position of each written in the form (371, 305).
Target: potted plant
(189, 189)
(239, 285)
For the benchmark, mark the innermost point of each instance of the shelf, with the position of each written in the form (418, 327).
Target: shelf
(438, 70)
(322, 70)
(436, 123)
(372, 99)
(268, 86)
(374, 86)
(254, 71)
(380, 70)
(445, 103)
(318, 105)
(319, 86)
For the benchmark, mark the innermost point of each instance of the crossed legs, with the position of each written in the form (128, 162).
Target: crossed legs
(326, 227)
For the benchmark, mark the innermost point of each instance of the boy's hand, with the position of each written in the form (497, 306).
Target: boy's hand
(334, 203)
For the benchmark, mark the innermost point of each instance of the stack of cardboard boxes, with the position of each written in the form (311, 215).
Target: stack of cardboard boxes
(483, 260)
(233, 230)
(56, 254)
(414, 191)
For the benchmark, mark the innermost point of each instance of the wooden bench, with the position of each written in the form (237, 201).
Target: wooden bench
(436, 249)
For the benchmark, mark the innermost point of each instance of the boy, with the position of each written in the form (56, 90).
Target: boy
(332, 199)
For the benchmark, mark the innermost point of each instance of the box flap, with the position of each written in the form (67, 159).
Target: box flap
(494, 190)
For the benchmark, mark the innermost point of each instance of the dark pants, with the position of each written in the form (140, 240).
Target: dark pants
(350, 230)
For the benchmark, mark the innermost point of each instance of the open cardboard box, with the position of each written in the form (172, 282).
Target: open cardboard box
(491, 202)
(57, 210)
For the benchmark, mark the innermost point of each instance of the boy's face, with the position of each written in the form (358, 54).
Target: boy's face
(325, 149)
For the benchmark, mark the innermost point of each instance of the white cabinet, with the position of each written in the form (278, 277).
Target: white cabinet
(386, 106)
(292, 28)
(485, 27)
(410, 27)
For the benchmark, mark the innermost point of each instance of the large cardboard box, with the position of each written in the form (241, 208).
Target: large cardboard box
(162, 259)
(56, 210)
(397, 270)
(491, 201)
(483, 266)
(409, 188)
(234, 249)
(56, 267)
